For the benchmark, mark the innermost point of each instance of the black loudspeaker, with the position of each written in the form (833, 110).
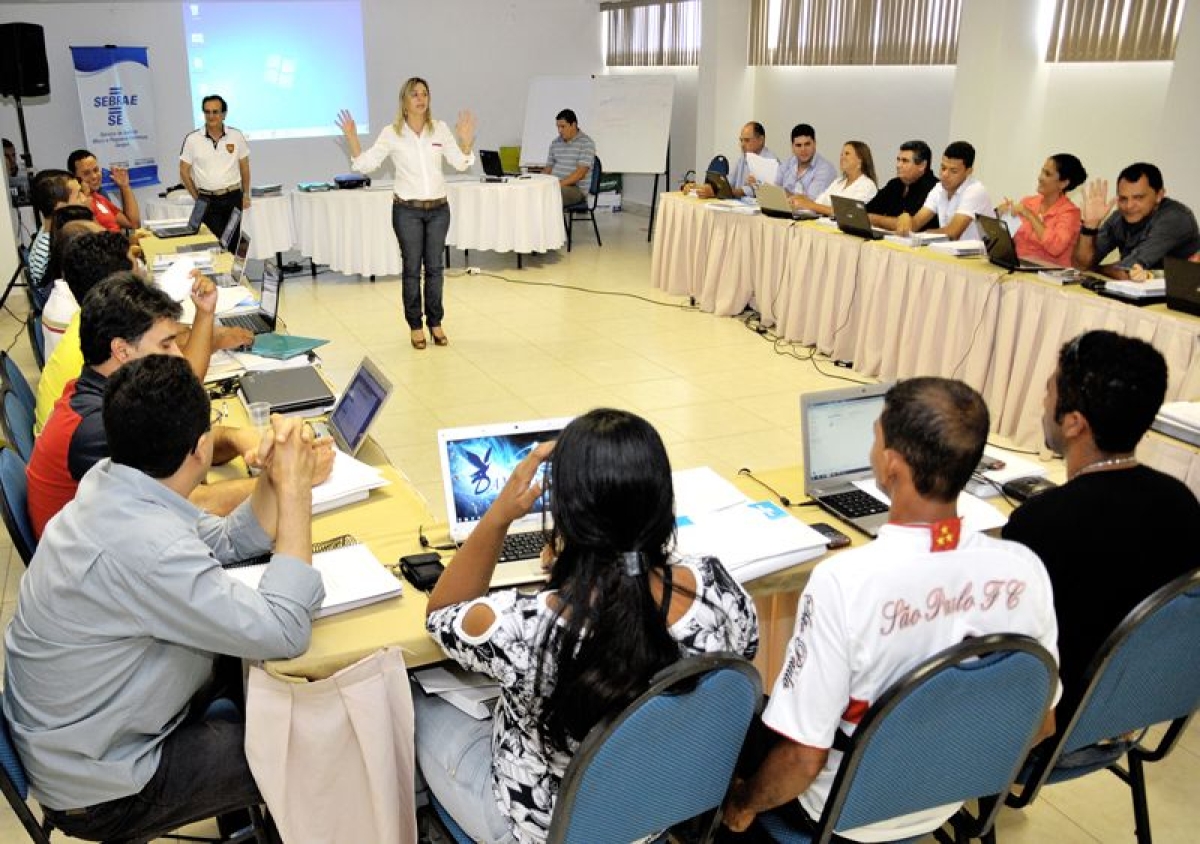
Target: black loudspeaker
(23, 69)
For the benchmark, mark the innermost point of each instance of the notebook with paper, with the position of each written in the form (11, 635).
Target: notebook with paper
(476, 462)
(838, 428)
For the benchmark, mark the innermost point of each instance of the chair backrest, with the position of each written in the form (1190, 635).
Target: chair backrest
(597, 173)
(14, 503)
(15, 785)
(34, 328)
(17, 422)
(635, 775)
(956, 727)
(1147, 672)
(719, 164)
(14, 379)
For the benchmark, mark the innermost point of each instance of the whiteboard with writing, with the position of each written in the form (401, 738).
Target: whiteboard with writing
(629, 118)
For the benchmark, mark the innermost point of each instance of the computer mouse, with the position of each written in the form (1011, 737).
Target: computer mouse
(1022, 489)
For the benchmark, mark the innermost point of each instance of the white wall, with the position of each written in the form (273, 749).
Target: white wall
(476, 54)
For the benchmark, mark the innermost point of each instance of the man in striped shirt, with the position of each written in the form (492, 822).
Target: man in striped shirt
(570, 158)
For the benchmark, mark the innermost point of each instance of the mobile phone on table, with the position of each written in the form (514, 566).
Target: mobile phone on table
(836, 538)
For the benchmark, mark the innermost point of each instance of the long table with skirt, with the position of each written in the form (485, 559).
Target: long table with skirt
(896, 311)
(268, 221)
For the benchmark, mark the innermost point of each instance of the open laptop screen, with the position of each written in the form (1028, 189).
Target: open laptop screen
(839, 434)
(359, 405)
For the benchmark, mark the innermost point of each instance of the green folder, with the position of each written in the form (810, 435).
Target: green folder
(284, 346)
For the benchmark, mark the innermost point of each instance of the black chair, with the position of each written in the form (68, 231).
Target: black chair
(954, 728)
(666, 758)
(586, 207)
(1146, 673)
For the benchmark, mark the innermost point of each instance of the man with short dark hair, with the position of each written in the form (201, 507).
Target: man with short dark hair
(123, 320)
(570, 159)
(214, 165)
(84, 166)
(906, 193)
(1113, 514)
(1147, 227)
(52, 189)
(870, 614)
(10, 158)
(955, 201)
(807, 173)
(125, 609)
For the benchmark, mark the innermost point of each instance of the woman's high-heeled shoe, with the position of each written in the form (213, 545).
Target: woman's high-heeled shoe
(417, 338)
(439, 337)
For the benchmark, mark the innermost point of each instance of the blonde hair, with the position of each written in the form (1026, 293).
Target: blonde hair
(405, 90)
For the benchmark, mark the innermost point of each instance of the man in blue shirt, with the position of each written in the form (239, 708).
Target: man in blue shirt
(111, 657)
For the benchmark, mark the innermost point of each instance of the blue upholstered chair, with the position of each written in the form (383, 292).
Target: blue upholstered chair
(1146, 673)
(641, 772)
(14, 503)
(956, 727)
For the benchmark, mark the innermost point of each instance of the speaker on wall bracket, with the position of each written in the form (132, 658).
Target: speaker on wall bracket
(23, 68)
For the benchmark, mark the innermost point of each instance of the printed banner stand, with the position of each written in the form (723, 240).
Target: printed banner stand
(117, 100)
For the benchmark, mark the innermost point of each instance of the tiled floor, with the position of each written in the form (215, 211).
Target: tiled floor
(718, 393)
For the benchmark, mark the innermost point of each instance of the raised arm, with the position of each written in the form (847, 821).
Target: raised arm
(345, 122)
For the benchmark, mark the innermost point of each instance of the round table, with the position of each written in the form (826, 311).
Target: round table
(521, 215)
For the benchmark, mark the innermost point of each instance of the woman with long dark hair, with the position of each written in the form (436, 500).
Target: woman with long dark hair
(618, 607)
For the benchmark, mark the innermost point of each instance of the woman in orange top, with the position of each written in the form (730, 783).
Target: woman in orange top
(1049, 220)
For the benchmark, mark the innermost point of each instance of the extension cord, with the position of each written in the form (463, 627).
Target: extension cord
(472, 270)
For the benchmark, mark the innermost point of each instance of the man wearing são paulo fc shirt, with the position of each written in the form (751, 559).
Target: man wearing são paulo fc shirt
(870, 614)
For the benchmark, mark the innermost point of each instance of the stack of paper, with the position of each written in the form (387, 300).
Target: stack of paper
(353, 578)
(350, 481)
(1067, 276)
(915, 238)
(750, 538)
(1155, 288)
(470, 692)
(1179, 419)
(959, 248)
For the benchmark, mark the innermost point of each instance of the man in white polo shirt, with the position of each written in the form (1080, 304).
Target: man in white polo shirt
(214, 165)
(871, 614)
(955, 200)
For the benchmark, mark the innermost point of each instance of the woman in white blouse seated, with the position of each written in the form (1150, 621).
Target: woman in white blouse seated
(618, 607)
(857, 181)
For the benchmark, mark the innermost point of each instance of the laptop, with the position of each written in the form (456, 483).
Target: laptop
(231, 229)
(476, 462)
(237, 273)
(192, 226)
(492, 168)
(264, 319)
(838, 429)
(773, 202)
(1183, 285)
(852, 218)
(719, 183)
(299, 390)
(1001, 250)
(359, 406)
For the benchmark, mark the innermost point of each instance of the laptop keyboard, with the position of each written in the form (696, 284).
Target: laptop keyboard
(522, 546)
(855, 503)
(250, 322)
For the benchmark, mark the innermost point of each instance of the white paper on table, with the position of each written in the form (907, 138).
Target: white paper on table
(701, 490)
(763, 169)
(751, 539)
(229, 300)
(176, 280)
(1150, 287)
(977, 514)
(258, 363)
(222, 365)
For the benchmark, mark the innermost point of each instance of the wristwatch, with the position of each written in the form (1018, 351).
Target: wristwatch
(1089, 231)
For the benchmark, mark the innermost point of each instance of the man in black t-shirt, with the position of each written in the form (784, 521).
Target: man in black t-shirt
(906, 193)
(1117, 530)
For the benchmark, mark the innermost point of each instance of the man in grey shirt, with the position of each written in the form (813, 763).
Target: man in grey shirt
(1147, 227)
(125, 608)
(570, 158)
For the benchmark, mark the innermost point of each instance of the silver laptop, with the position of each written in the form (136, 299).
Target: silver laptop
(773, 202)
(237, 273)
(165, 230)
(231, 229)
(838, 429)
(263, 319)
(359, 407)
(476, 462)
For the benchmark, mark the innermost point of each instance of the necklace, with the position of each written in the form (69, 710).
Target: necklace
(1128, 460)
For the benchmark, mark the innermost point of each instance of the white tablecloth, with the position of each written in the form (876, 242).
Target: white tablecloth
(350, 230)
(898, 312)
(268, 222)
(520, 215)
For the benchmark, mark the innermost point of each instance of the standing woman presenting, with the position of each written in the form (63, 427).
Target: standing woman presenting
(416, 144)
